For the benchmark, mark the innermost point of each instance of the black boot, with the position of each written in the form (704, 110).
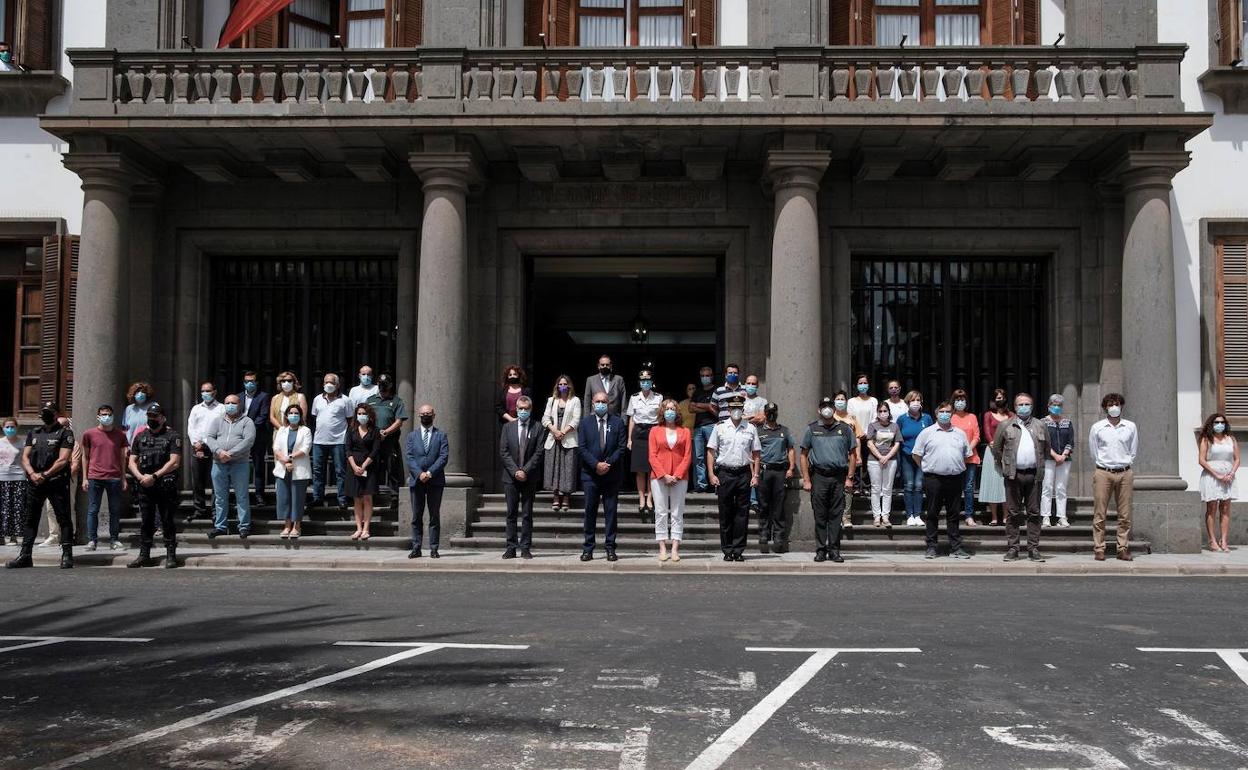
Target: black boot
(23, 559)
(171, 556)
(144, 559)
(67, 556)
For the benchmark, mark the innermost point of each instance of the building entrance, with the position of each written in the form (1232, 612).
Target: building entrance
(311, 316)
(937, 325)
(665, 312)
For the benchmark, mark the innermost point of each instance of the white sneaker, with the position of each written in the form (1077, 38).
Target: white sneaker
(51, 541)
(1048, 521)
(91, 546)
(1062, 522)
(117, 546)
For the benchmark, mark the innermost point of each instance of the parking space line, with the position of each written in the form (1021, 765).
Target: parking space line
(1232, 657)
(44, 641)
(735, 737)
(414, 649)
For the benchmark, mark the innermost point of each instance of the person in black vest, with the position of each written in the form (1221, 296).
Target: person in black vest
(154, 462)
(46, 462)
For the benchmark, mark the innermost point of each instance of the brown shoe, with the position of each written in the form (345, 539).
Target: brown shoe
(1100, 556)
(1125, 555)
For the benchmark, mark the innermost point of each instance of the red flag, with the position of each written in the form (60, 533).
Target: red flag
(247, 14)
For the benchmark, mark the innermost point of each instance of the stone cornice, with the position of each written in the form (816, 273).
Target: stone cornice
(104, 171)
(459, 170)
(26, 94)
(1149, 168)
(796, 168)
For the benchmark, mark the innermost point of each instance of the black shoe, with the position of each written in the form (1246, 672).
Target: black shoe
(526, 554)
(1035, 555)
(433, 553)
(836, 557)
(510, 553)
(1011, 555)
(171, 557)
(213, 534)
(244, 533)
(315, 502)
(764, 547)
(738, 557)
(415, 554)
(728, 557)
(189, 519)
(960, 554)
(343, 506)
(21, 562)
(144, 559)
(611, 556)
(821, 556)
(930, 553)
(754, 509)
(67, 557)
(782, 548)
(587, 556)
(257, 500)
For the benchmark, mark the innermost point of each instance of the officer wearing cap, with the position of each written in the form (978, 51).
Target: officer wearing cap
(155, 459)
(779, 459)
(390, 413)
(826, 451)
(46, 459)
(732, 459)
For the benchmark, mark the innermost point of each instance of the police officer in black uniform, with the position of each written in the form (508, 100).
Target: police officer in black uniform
(46, 460)
(827, 459)
(154, 461)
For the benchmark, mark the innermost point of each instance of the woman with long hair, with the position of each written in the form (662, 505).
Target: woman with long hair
(670, 452)
(515, 384)
(1219, 462)
(910, 425)
(991, 484)
(561, 418)
(967, 423)
(292, 469)
(289, 392)
(363, 446)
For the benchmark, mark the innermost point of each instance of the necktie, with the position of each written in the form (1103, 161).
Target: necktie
(523, 433)
(602, 435)
(426, 439)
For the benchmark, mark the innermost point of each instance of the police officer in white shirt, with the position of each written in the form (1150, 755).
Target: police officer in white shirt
(942, 450)
(1114, 443)
(732, 458)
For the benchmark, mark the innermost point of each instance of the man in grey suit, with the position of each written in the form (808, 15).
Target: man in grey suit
(521, 446)
(605, 382)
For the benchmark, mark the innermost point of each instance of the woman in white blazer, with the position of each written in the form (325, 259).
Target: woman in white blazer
(292, 468)
(561, 419)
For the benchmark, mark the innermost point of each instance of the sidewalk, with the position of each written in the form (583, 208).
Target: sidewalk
(468, 560)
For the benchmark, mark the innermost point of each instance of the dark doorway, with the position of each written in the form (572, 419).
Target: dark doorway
(581, 308)
(9, 324)
(937, 325)
(311, 316)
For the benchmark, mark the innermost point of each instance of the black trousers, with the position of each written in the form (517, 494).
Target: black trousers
(772, 524)
(260, 469)
(201, 479)
(827, 497)
(1022, 502)
(159, 499)
(946, 492)
(392, 469)
(55, 492)
(734, 509)
(519, 505)
(429, 494)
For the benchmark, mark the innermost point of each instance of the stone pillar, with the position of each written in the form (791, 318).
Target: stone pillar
(100, 327)
(405, 351)
(442, 344)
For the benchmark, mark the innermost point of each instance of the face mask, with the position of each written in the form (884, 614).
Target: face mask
(771, 416)
(1114, 411)
(293, 418)
(6, 57)
(249, 386)
(894, 392)
(231, 409)
(10, 431)
(287, 387)
(605, 371)
(1024, 410)
(735, 414)
(600, 409)
(426, 420)
(960, 405)
(330, 387)
(826, 413)
(646, 384)
(366, 380)
(140, 397)
(153, 424)
(362, 419)
(944, 417)
(563, 388)
(1055, 410)
(731, 379)
(205, 396)
(916, 406)
(705, 381)
(513, 379)
(863, 388)
(105, 419)
(839, 404)
(1218, 427)
(999, 403)
(670, 415)
(884, 418)
(751, 390)
(523, 414)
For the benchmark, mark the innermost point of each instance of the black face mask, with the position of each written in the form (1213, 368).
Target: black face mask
(999, 403)
(771, 416)
(154, 424)
(48, 416)
(513, 379)
(426, 421)
(605, 371)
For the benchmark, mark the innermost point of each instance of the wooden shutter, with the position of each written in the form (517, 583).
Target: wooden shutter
(409, 23)
(1232, 313)
(535, 13)
(69, 276)
(864, 23)
(34, 33)
(1031, 22)
(1228, 31)
(29, 345)
(700, 18)
(842, 19)
(266, 34)
(564, 22)
(1002, 23)
(56, 327)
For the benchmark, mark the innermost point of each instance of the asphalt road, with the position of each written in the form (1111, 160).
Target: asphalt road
(243, 670)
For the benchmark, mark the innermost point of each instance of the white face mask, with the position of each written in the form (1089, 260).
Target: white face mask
(330, 387)
(287, 387)
(826, 413)
(1114, 411)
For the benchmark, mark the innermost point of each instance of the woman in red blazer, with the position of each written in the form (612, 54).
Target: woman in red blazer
(671, 450)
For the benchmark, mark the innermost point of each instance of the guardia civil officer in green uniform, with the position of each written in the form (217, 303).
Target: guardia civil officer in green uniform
(155, 459)
(826, 449)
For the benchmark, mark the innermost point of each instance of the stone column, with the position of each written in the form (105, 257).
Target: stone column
(794, 362)
(405, 351)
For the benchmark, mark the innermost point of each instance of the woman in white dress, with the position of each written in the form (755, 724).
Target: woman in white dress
(1219, 461)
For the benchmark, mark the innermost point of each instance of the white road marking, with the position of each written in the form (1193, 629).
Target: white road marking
(1232, 657)
(241, 738)
(1050, 666)
(744, 681)
(1153, 745)
(830, 710)
(626, 679)
(414, 649)
(1099, 758)
(735, 737)
(44, 641)
(632, 749)
(924, 758)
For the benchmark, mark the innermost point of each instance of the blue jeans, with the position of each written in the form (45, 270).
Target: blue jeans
(701, 435)
(291, 497)
(968, 492)
(227, 476)
(95, 490)
(911, 485)
(338, 453)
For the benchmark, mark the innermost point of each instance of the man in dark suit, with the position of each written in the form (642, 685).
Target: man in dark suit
(256, 403)
(426, 452)
(601, 440)
(522, 445)
(605, 382)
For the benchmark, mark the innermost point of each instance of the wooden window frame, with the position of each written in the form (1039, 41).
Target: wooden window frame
(346, 16)
(670, 10)
(1230, 31)
(289, 17)
(927, 11)
(631, 12)
(8, 30)
(1221, 280)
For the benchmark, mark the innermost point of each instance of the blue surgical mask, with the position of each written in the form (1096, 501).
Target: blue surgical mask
(10, 431)
(362, 419)
(839, 404)
(249, 386)
(140, 397)
(293, 418)
(366, 380)
(863, 388)
(731, 379)
(960, 404)
(751, 390)
(600, 409)
(206, 396)
(944, 418)
(1054, 409)
(646, 384)
(670, 415)
(705, 381)
(1218, 427)
(105, 419)
(1024, 410)
(6, 57)
(523, 414)
(231, 409)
